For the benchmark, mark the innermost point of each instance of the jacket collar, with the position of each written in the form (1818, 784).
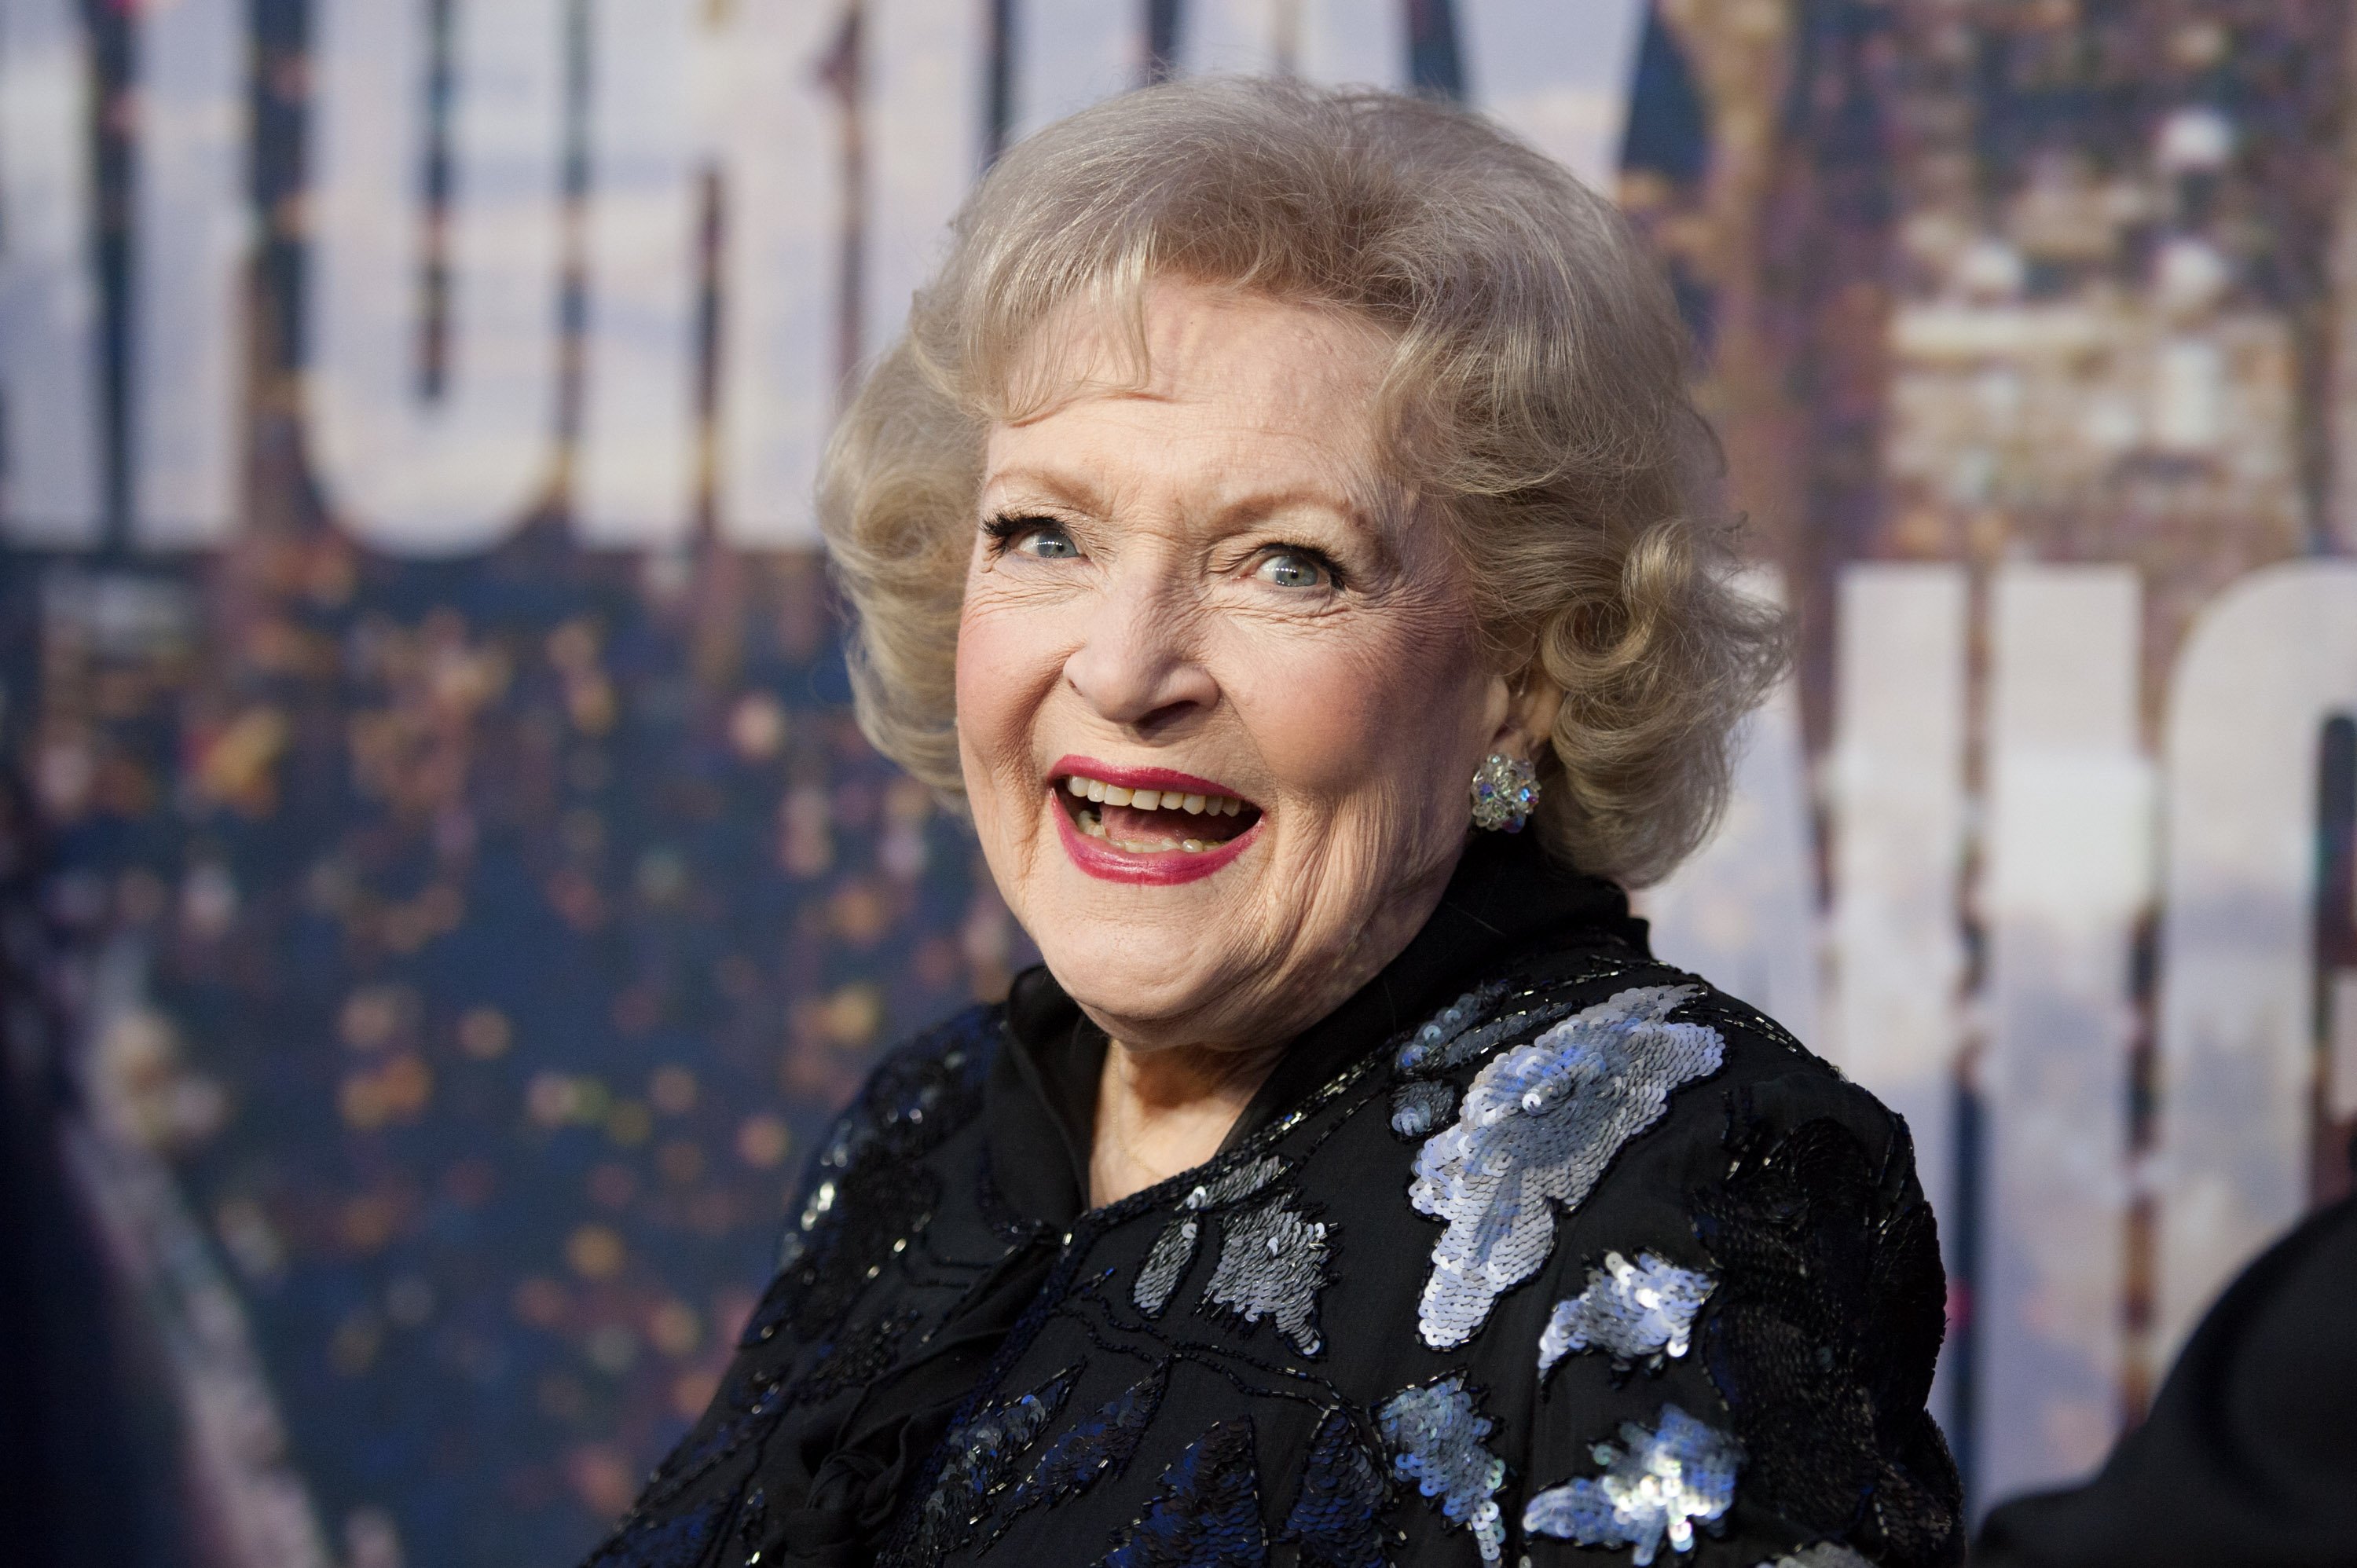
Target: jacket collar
(1505, 900)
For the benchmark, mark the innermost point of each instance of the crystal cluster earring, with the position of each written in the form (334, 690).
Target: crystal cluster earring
(1505, 789)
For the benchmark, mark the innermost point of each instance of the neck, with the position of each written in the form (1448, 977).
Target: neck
(1165, 1110)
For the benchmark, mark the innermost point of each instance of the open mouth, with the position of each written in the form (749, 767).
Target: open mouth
(1154, 820)
(1148, 822)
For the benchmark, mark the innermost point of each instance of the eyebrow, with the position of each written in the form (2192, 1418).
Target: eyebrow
(1075, 491)
(1112, 392)
(1072, 490)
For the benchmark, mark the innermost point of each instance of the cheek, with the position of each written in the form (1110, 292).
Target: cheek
(1386, 713)
(1007, 661)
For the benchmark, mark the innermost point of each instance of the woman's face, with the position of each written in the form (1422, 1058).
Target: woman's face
(1216, 719)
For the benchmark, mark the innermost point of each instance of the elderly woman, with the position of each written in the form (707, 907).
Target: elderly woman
(1281, 498)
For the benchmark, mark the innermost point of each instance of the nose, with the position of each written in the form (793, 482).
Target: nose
(1136, 664)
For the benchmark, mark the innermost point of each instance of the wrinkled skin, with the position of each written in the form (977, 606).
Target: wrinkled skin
(1186, 570)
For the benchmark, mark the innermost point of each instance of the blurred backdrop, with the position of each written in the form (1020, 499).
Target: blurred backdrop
(444, 893)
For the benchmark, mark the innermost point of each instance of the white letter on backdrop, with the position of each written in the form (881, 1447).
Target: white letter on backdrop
(453, 472)
(50, 487)
(2068, 869)
(675, 92)
(922, 116)
(1743, 908)
(192, 233)
(1898, 841)
(2269, 661)
(1556, 71)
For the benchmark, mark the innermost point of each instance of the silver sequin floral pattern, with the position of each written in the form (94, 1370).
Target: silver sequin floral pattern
(1538, 1126)
(1174, 1251)
(1273, 1265)
(1635, 1312)
(1657, 1484)
(1435, 1432)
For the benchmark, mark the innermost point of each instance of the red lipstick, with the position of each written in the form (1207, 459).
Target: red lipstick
(1140, 777)
(1108, 862)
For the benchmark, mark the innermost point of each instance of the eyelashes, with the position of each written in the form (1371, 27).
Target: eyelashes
(1005, 528)
(1008, 530)
(1011, 531)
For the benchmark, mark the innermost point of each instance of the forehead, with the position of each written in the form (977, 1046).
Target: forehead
(1250, 384)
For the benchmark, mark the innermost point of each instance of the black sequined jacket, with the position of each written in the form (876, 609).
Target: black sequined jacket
(1534, 1247)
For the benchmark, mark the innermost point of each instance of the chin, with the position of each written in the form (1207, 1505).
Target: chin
(1159, 949)
(1122, 973)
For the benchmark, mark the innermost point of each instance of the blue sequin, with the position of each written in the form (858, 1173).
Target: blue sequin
(1538, 1127)
(982, 1451)
(1098, 1445)
(1656, 1487)
(1635, 1312)
(1337, 1516)
(1425, 1049)
(1418, 1108)
(1435, 1431)
(1205, 1512)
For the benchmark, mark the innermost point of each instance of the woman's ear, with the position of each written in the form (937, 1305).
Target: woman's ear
(1526, 728)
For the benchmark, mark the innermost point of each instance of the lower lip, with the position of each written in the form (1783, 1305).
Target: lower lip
(1109, 862)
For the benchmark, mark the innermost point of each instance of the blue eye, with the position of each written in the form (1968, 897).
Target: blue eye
(1295, 569)
(1047, 542)
(1041, 538)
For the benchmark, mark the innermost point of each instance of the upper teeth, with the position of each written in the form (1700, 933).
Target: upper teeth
(1153, 799)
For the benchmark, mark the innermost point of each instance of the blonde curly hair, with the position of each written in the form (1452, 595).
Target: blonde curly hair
(1534, 401)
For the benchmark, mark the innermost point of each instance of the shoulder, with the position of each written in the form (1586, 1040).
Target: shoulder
(1713, 1108)
(869, 1182)
(1575, 1080)
(1643, 1028)
(921, 1093)
(1639, 1102)
(1729, 1230)
(1768, 1082)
